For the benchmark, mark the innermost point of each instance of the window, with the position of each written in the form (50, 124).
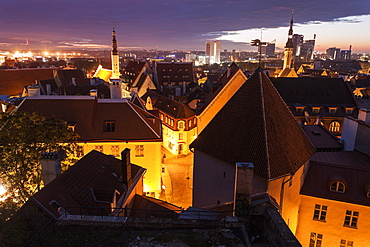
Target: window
(181, 125)
(181, 136)
(320, 212)
(79, 151)
(299, 110)
(337, 187)
(99, 148)
(109, 126)
(334, 126)
(351, 218)
(139, 150)
(115, 150)
(315, 110)
(345, 243)
(349, 111)
(315, 240)
(332, 110)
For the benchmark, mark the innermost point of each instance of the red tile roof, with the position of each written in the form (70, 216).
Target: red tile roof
(12, 81)
(256, 126)
(89, 114)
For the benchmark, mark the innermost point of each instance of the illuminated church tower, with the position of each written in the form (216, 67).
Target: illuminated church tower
(115, 81)
(288, 52)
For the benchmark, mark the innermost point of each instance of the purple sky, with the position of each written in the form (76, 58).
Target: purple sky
(165, 24)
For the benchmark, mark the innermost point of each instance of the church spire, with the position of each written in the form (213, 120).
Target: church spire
(115, 56)
(288, 51)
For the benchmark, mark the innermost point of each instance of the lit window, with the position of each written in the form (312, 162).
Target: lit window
(334, 126)
(139, 150)
(315, 239)
(171, 122)
(115, 150)
(109, 126)
(299, 110)
(345, 243)
(337, 187)
(315, 110)
(189, 123)
(99, 148)
(320, 212)
(351, 218)
(349, 111)
(79, 151)
(181, 124)
(181, 136)
(161, 117)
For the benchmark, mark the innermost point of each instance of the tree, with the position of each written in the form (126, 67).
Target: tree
(23, 138)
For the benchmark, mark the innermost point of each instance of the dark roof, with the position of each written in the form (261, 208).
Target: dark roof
(12, 81)
(352, 168)
(95, 175)
(134, 67)
(89, 114)
(103, 90)
(256, 126)
(321, 138)
(178, 72)
(169, 106)
(66, 75)
(153, 207)
(319, 91)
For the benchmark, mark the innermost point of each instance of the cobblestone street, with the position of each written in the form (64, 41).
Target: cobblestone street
(177, 179)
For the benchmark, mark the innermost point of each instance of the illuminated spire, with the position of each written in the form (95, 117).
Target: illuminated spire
(289, 43)
(114, 42)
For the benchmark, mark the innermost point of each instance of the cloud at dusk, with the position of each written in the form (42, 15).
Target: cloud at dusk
(185, 24)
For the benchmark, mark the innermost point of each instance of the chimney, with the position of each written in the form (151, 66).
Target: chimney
(364, 115)
(33, 90)
(50, 164)
(126, 167)
(243, 188)
(94, 92)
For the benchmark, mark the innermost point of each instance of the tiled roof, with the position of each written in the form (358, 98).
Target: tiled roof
(90, 114)
(133, 68)
(103, 90)
(169, 106)
(352, 168)
(319, 91)
(12, 81)
(321, 138)
(95, 174)
(256, 126)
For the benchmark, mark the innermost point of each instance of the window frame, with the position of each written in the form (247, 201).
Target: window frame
(109, 126)
(316, 239)
(351, 219)
(320, 212)
(337, 187)
(334, 126)
(139, 150)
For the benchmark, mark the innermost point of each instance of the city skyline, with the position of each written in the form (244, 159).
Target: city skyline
(181, 25)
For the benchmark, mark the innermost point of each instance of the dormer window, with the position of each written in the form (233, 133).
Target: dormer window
(299, 109)
(332, 110)
(337, 186)
(109, 126)
(315, 110)
(349, 110)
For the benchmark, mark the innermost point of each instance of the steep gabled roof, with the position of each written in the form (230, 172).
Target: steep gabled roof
(256, 126)
(93, 177)
(175, 72)
(90, 114)
(169, 106)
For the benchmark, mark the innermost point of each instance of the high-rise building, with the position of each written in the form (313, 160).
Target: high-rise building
(268, 50)
(297, 42)
(346, 54)
(333, 53)
(306, 50)
(213, 51)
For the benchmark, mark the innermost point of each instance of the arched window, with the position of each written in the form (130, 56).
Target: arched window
(337, 187)
(181, 125)
(334, 126)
